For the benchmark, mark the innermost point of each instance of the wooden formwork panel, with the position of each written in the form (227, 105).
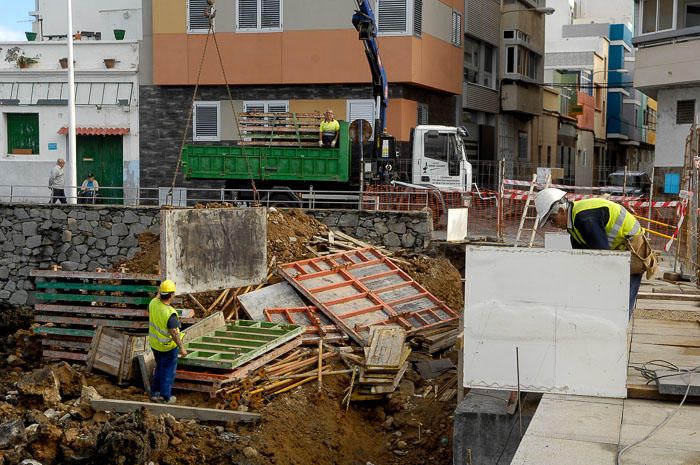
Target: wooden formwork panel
(237, 343)
(361, 288)
(316, 324)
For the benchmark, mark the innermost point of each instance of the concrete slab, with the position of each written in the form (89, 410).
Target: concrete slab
(535, 450)
(595, 422)
(557, 241)
(214, 248)
(457, 220)
(565, 311)
(280, 295)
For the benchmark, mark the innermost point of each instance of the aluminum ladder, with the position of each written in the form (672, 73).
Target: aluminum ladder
(528, 214)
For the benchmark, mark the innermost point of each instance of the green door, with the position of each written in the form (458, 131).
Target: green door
(103, 157)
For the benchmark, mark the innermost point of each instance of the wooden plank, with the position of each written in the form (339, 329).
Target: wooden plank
(91, 321)
(669, 296)
(94, 275)
(147, 364)
(75, 345)
(64, 331)
(90, 310)
(177, 411)
(97, 287)
(64, 355)
(386, 346)
(114, 299)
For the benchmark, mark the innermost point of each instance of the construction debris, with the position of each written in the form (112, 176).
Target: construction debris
(115, 352)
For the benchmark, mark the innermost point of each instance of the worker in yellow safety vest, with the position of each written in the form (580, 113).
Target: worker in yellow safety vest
(329, 131)
(600, 224)
(165, 339)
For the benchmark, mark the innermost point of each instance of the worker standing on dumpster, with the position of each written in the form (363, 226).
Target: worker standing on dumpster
(600, 224)
(165, 339)
(328, 131)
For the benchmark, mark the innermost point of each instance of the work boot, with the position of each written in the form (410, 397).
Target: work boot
(171, 400)
(155, 397)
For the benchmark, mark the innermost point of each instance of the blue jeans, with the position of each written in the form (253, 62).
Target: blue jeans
(164, 376)
(635, 282)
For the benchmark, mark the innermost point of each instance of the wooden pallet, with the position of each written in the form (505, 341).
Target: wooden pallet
(115, 352)
(72, 305)
(316, 324)
(279, 129)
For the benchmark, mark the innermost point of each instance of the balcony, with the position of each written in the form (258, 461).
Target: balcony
(89, 56)
(668, 64)
(517, 98)
(479, 98)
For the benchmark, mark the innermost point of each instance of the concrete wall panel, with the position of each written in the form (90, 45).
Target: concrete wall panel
(565, 311)
(211, 249)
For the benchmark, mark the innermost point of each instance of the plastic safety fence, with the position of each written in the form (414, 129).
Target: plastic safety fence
(361, 288)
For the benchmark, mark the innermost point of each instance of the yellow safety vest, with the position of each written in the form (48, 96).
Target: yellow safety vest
(330, 127)
(158, 336)
(620, 226)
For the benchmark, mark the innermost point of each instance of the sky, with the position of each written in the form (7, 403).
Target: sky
(14, 11)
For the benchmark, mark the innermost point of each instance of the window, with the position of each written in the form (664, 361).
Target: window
(471, 60)
(657, 15)
(489, 66)
(422, 114)
(266, 106)
(399, 17)
(196, 21)
(692, 15)
(520, 60)
(361, 109)
(23, 133)
(259, 15)
(436, 146)
(685, 111)
(206, 122)
(650, 119)
(457, 33)
(523, 146)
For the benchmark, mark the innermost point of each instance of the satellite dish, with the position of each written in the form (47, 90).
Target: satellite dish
(355, 131)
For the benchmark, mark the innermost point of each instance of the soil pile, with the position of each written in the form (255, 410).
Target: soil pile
(288, 231)
(439, 277)
(147, 260)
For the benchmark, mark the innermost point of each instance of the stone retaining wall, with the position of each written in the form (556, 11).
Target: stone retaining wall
(76, 237)
(391, 229)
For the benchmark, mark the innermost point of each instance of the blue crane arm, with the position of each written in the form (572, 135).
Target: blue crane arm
(366, 24)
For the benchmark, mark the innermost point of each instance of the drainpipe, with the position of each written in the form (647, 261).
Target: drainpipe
(72, 159)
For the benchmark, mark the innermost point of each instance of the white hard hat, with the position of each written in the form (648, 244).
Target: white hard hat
(545, 200)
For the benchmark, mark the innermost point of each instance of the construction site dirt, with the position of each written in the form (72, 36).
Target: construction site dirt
(46, 413)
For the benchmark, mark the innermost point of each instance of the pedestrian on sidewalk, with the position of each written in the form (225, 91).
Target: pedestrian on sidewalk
(57, 182)
(165, 340)
(600, 224)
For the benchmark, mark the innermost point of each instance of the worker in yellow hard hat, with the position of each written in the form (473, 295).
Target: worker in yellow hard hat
(165, 339)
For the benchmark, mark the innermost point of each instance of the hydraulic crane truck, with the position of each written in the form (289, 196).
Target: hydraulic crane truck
(437, 157)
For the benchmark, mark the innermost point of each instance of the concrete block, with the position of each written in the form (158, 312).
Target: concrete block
(566, 311)
(484, 432)
(212, 249)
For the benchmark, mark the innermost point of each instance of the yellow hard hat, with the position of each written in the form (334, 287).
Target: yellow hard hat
(167, 287)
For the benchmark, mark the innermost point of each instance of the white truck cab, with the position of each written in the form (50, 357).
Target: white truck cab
(439, 159)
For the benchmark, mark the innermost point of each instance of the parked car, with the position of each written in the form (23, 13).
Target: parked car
(637, 183)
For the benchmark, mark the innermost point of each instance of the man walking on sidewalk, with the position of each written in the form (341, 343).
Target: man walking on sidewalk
(57, 182)
(165, 340)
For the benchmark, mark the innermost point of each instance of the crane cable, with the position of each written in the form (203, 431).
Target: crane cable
(209, 13)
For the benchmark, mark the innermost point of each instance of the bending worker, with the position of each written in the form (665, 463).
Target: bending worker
(600, 224)
(329, 131)
(165, 339)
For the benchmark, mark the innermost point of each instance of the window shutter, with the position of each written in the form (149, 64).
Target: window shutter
(361, 109)
(417, 17)
(685, 111)
(392, 16)
(277, 107)
(422, 114)
(254, 107)
(206, 121)
(270, 14)
(456, 28)
(195, 14)
(248, 14)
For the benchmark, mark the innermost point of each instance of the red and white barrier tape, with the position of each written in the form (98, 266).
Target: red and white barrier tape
(514, 182)
(635, 202)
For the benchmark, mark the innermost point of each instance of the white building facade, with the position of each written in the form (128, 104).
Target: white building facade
(34, 100)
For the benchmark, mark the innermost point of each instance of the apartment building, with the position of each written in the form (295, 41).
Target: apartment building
(521, 73)
(34, 98)
(667, 62)
(297, 56)
(480, 99)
